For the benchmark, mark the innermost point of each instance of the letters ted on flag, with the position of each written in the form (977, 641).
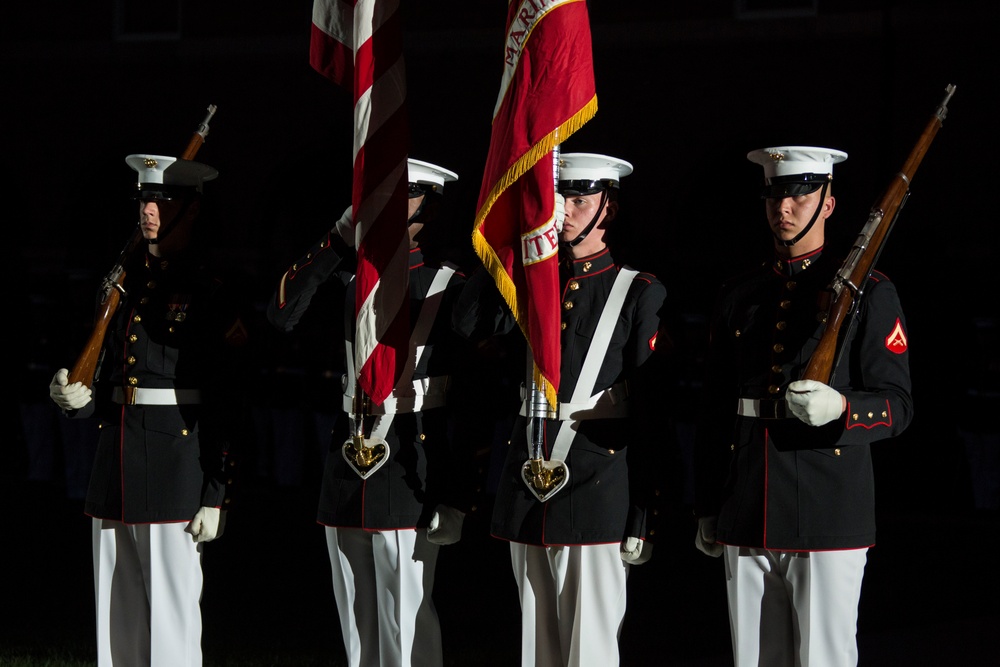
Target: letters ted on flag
(359, 45)
(547, 92)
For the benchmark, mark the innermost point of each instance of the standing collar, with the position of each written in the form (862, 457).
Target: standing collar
(591, 264)
(795, 265)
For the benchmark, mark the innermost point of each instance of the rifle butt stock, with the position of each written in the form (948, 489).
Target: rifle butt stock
(86, 364)
(820, 366)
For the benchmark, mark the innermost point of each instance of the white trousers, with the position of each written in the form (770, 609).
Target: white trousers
(383, 582)
(794, 609)
(148, 584)
(572, 604)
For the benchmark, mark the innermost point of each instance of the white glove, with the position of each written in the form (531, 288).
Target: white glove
(207, 524)
(635, 551)
(560, 212)
(445, 526)
(813, 402)
(345, 226)
(704, 539)
(68, 396)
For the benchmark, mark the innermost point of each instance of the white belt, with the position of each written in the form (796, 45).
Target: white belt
(612, 403)
(762, 408)
(424, 394)
(151, 396)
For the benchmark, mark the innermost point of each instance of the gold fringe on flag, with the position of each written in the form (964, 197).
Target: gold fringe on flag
(488, 255)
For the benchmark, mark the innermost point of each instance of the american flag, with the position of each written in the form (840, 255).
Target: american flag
(358, 44)
(547, 92)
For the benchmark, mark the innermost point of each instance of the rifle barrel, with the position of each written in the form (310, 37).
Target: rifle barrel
(860, 262)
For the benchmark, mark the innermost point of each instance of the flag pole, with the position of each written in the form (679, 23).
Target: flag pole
(540, 410)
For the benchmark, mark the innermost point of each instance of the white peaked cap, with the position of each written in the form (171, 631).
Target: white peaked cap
(429, 174)
(792, 160)
(169, 171)
(592, 167)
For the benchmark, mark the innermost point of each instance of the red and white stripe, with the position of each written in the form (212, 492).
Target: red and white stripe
(359, 45)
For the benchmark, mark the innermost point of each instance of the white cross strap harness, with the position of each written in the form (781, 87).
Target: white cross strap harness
(409, 395)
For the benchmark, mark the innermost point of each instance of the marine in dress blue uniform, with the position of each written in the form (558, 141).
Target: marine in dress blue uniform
(384, 525)
(571, 548)
(168, 400)
(785, 486)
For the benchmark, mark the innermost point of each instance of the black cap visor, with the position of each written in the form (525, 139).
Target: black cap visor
(795, 185)
(585, 187)
(415, 190)
(160, 192)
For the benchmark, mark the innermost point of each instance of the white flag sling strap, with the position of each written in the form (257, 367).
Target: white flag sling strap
(545, 478)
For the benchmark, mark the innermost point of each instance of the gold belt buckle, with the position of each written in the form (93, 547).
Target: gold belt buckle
(544, 478)
(365, 455)
(129, 394)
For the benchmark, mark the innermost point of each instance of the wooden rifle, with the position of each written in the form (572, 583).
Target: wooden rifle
(112, 287)
(849, 282)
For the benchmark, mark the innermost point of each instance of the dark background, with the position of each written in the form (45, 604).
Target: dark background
(685, 90)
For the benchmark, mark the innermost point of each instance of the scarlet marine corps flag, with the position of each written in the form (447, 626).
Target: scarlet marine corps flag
(547, 92)
(358, 44)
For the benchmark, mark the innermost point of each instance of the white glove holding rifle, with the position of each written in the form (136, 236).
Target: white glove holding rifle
(814, 403)
(68, 396)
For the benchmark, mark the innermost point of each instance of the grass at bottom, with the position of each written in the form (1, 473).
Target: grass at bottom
(46, 656)
(83, 656)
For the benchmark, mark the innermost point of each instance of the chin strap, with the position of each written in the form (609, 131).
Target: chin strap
(167, 228)
(579, 239)
(815, 216)
(420, 209)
